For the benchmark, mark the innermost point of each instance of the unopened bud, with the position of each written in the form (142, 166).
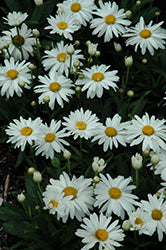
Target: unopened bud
(60, 10)
(97, 53)
(76, 63)
(21, 197)
(21, 84)
(158, 194)
(155, 159)
(37, 177)
(136, 161)
(128, 61)
(33, 103)
(128, 13)
(157, 13)
(88, 42)
(38, 2)
(126, 225)
(35, 33)
(96, 179)
(81, 76)
(146, 152)
(130, 93)
(77, 42)
(31, 66)
(31, 170)
(144, 61)
(117, 47)
(46, 99)
(138, 3)
(70, 49)
(78, 89)
(66, 154)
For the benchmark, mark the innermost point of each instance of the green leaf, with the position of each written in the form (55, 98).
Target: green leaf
(55, 162)
(19, 159)
(11, 211)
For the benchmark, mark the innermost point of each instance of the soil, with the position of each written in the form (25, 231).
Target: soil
(11, 179)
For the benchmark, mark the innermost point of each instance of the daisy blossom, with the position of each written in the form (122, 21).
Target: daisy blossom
(112, 133)
(111, 21)
(58, 60)
(15, 18)
(62, 24)
(102, 230)
(50, 140)
(81, 123)
(148, 130)
(160, 167)
(156, 208)
(10, 76)
(81, 191)
(147, 37)
(80, 11)
(55, 202)
(26, 39)
(114, 195)
(23, 131)
(96, 79)
(138, 220)
(57, 87)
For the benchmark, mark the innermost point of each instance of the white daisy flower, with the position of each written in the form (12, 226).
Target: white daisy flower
(111, 21)
(156, 208)
(55, 202)
(102, 230)
(62, 24)
(148, 130)
(114, 195)
(81, 191)
(57, 87)
(80, 11)
(98, 164)
(81, 123)
(138, 220)
(15, 18)
(58, 60)
(23, 131)
(50, 140)
(160, 167)
(96, 79)
(112, 133)
(147, 37)
(11, 75)
(26, 39)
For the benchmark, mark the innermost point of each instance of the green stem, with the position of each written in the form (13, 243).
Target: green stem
(127, 77)
(137, 177)
(80, 143)
(38, 55)
(70, 68)
(68, 165)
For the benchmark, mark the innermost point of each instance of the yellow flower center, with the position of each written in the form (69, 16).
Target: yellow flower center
(12, 73)
(115, 193)
(110, 19)
(148, 130)
(101, 234)
(61, 57)
(110, 131)
(26, 131)
(70, 191)
(16, 40)
(157, 214)
(81, 125)
(97, 77)
(138, 221)
(54, 86)
(75, 7)
(145, 33)
(49, 137)
(62, 25)
(53, 203)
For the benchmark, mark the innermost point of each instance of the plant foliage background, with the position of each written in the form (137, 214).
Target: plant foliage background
(34, 227)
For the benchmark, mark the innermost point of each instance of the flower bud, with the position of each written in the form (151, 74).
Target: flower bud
(144, 61)
(128, 61)
(97, 53)
(128, 13)
(35, 33)
(76, 63)
(157, 13)
(77, 42)
(70, 49)
(98, 165)
(21, 197)
(46, 99)
(31, 170)
(88, 42)
(136, 161)
(38, 2)
(117, 47)
(81, 76)
(77, 88)
(33, 103)
(96, 179)
(66, 154)
(60, 10)
(155, 159)
(138, 3)
(158, 194)
(92, 48)
(37, 177)
(21, 84)
(31, 66)
(130, 93)
(146, 152)
(126, 225)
